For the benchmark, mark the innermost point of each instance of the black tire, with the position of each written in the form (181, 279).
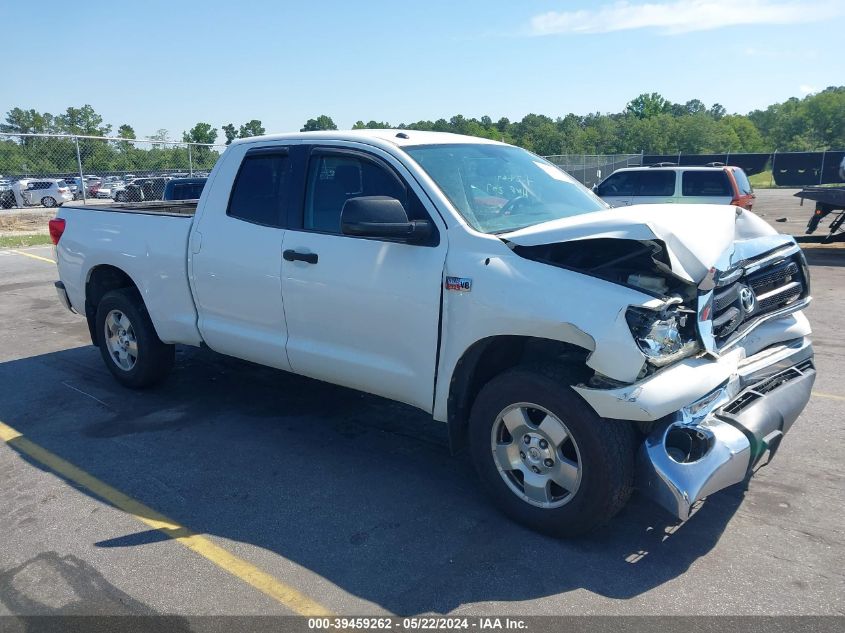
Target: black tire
(154, 358)
(48, 201)
(606, 450)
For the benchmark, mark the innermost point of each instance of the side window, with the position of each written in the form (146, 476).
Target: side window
(260, 189)
(619, 184)
(706, 183)
(335, 178)
(655, 183)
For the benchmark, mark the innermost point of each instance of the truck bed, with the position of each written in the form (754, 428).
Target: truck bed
(148, 241)
(178, 208)
(831, 196)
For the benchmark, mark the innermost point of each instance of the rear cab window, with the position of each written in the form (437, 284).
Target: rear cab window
(261, 188)
(706, 183)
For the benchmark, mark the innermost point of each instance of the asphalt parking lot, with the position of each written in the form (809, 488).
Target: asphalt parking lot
(286, 495)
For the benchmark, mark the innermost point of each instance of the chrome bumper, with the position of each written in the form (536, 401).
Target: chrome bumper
(63, 298)
(718, 440)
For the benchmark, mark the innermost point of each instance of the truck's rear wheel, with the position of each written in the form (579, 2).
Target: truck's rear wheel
(128, 341)
(545, 457)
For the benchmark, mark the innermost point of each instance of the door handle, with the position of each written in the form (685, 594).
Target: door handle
(295, 256)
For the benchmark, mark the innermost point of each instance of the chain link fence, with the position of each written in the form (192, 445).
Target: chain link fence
(590, 169)
(52, 169)
(788, 169)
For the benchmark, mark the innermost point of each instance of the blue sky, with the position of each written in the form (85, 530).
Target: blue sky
(170, 64)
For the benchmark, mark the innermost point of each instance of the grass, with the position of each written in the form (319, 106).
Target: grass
(20, 241)
(763, 180)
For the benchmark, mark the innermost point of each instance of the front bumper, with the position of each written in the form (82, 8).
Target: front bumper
(718, 440)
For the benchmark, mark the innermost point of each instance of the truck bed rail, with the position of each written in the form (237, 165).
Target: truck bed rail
(177, 208)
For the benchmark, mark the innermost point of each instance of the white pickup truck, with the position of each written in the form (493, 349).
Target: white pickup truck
(580, 351)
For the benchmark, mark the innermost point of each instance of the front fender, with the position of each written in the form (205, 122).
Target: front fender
(513, 296)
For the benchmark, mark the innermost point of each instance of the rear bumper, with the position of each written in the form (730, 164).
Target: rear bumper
(718, 440)
(63, 298)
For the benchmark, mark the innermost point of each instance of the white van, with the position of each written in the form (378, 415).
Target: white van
(662, 184)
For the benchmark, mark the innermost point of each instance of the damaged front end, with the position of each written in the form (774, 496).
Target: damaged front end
(721, 438)
(727, 359)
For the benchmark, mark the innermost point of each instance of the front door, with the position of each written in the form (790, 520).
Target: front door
(361, 312)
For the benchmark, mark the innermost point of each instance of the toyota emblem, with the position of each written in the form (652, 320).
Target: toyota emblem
(747, 299)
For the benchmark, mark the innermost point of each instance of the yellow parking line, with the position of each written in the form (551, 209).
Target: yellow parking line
(828, 395)
(43, 259)
(249, 573)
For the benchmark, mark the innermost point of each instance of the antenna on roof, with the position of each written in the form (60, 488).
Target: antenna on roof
(402, 135)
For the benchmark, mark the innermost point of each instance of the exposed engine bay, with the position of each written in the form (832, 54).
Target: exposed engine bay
(643, 265)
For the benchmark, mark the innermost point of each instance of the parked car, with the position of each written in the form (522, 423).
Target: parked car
(48, 192)
(7, 199)
(142, 189)
(661, 184)
(104, 191)
(118, 193)
(579, 350)
(184, 188)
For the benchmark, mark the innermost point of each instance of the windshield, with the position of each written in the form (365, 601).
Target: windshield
(500, 188)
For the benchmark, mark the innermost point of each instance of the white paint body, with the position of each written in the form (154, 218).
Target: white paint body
(374, 315)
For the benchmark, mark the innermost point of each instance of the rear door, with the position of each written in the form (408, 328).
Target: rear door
(654, 186)
(236, 259)
(362, 312)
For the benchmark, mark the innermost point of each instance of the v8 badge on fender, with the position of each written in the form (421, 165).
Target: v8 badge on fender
(459, 284)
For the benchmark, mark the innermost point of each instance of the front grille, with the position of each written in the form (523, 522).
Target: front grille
(756, 294)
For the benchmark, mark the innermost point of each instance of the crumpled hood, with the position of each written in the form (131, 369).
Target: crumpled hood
(697, 236)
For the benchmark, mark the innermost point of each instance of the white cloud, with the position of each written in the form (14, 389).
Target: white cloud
(807, 89)
(683, 16)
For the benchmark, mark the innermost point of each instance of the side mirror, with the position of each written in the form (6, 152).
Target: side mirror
(382, 217)
(595, 186)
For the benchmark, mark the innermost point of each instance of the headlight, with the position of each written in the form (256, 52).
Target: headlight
(664, 336)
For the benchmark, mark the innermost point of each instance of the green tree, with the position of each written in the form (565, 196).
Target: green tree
(126, 131)
(200, 133)
(229, 132)
(647, 105)
(251, 128)
(322, 122)
(371, 125)
(717, 111)
(83, 121)
(20, 121)
(162, 134)
(749, 136)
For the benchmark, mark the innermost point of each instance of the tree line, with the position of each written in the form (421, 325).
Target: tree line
(650, 123)
(654, 125)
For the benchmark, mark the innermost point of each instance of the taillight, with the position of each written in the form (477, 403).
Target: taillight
(737, 202)
(57, 227)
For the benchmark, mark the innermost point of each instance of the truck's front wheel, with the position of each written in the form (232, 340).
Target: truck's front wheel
(545, 457)
(128, 341)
